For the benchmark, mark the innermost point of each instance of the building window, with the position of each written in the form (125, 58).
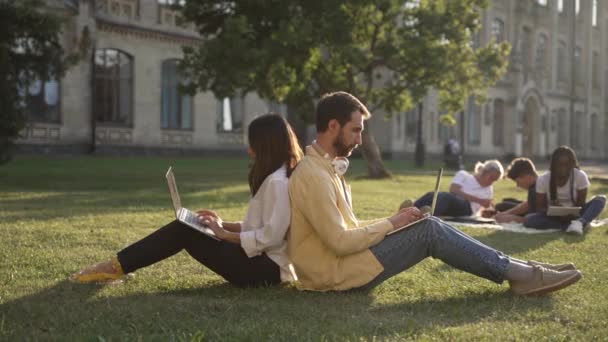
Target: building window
(562, 70)
(541, 54)
(562, 125)
(595, 75)
(542, 2)
(594, 14)
(41, 101)
(560, 6)
(176, 108)
(172, 2)
(575, 129)
(398, 128)
(444, 132)
(433, 123)
(411, 124)
(474, 123)
(230, 114)
(578, 68)
(595, 132)
(499, 122)
(113, 90)
(577, 6)
(525, 46)
(498, 29)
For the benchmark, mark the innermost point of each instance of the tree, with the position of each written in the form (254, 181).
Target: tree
(388, 53)
(29, 50)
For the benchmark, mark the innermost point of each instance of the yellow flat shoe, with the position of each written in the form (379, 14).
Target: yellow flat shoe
(92, 275)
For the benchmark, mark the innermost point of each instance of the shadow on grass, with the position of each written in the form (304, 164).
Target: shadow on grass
(221, 311)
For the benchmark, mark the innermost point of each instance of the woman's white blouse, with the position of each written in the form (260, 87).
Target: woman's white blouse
(266, 223)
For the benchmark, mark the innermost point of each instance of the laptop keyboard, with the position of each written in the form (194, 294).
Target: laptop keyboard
(189, 217)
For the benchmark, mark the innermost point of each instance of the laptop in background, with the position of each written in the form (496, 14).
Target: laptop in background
(433, 204)
(563, 211)
(184, 215)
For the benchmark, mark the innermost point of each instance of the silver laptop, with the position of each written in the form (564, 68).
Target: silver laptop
(439, 174)
(563, 211)
(184, 215)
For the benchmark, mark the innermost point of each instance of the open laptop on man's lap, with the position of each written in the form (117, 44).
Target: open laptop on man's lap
(427, 215)
(184, 215)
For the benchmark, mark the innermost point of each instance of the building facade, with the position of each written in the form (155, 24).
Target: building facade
(554, 92)
(124, 94)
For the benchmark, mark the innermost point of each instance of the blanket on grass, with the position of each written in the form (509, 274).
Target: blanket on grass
(517, 227)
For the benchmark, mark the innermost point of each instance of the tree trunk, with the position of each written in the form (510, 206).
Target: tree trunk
(371, 154)
(420, 148)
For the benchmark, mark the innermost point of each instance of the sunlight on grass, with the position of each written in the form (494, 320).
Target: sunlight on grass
(58, 215)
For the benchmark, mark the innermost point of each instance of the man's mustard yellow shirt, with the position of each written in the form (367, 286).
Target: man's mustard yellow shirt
(327, 245)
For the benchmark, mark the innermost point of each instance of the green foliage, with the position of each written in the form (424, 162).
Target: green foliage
(386, 52)
(29, 50)
(58, 215)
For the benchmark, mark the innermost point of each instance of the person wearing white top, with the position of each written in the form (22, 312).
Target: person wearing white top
(565, 184)
(248, 253)
(468, 192)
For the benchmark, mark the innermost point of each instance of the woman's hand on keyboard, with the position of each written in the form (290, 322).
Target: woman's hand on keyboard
(207, 212)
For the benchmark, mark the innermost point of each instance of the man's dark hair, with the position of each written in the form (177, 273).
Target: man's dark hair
(521, 167)
(338, 106)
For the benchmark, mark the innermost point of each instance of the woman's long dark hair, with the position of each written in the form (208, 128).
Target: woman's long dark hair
(562, 151)
(274, 144)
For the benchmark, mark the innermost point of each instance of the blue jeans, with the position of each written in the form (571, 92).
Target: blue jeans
(433, 237)
(590, 211)
(447, 204)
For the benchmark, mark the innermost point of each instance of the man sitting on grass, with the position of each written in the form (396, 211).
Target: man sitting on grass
(332, 250)
(523, 173)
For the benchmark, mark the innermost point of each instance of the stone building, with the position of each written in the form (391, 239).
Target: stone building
(555, 90)
(124, 95)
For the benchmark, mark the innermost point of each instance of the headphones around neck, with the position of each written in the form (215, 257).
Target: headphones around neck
(340, 165)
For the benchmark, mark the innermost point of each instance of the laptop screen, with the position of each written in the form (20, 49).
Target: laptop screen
(177, 205)
(439, 174)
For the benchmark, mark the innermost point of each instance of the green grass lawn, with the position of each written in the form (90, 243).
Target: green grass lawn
(58, 215)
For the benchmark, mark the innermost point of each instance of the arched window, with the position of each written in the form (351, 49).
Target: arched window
(498, 30)
(499, 122)
(176, 107)
(113, 91)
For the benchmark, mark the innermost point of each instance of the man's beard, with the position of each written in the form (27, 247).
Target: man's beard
(343, 150)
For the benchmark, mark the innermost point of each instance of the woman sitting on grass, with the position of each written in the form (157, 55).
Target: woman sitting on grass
(249, 253)
(565, 184)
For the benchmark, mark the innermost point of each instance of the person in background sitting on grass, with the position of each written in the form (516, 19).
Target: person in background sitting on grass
(249, 253)
(332, 250)
(468, 193)
(565, 184)
(523, 173)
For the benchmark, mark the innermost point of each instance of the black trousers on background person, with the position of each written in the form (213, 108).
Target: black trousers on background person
(224, 258)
